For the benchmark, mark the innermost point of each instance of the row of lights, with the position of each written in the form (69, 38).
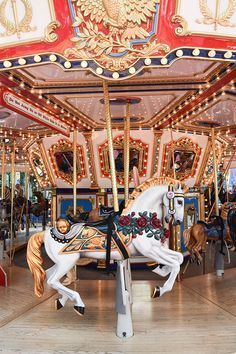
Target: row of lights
(85, 64)
(197, 108)
(63, 111)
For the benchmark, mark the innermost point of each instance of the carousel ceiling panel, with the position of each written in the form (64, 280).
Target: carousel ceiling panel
(221, 111)
(151, 104)
(12, 120)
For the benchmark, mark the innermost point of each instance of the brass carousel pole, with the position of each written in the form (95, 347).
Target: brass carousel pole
(110, 146)
(75, 134)
(215, 170)
(173, 152)
(126, 151)
(123, 294)
(3, 170)
(12, 198)
(27, 198)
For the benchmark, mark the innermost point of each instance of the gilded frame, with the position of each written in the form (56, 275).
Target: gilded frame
(61, 155)
(138, 158)
(38, 166)
(186, 156)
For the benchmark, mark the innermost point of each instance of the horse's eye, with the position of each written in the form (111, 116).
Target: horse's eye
(179, 202)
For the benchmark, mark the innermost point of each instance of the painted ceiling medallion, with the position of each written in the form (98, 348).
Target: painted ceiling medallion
(115, 33)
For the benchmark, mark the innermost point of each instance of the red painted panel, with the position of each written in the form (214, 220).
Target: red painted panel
(3, 277)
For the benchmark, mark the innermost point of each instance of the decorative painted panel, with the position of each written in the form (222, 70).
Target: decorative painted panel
(38, 167)
(61, 155)
(186, 155)
(20, 22)
(84, 203)
(204, 17)
(138, 158)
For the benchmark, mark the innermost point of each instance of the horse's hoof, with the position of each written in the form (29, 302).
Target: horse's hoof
(156, 292)
(79, 310)
(58, 304)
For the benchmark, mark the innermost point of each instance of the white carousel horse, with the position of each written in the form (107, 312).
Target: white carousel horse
(153, 197)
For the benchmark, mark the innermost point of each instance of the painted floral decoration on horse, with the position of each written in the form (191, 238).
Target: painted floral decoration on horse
(146, 222)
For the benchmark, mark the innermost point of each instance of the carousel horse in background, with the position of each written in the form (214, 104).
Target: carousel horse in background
(40, 208)
(231, 222)
(195, 237)
(139, 230)
(4, 222)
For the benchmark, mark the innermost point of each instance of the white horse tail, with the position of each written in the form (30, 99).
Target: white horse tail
(35, 262)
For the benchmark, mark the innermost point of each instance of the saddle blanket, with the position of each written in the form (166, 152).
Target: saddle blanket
(90, 239)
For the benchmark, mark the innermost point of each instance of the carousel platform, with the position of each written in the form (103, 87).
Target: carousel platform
(198, 316)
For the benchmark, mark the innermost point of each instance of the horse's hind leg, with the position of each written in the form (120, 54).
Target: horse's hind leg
(61, 268)
(59, 303)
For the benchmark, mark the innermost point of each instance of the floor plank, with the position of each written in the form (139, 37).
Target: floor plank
(198, 316)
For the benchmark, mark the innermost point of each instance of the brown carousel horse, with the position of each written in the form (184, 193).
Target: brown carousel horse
(195, 237)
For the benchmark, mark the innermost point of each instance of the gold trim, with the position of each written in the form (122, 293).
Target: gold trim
(203, 164)
(49, 33)
(34, 154)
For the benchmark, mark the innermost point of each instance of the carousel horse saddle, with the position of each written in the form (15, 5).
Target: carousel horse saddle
(213, 230)
(94, 237)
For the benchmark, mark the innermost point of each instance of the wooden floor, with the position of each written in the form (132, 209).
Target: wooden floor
(198, 316)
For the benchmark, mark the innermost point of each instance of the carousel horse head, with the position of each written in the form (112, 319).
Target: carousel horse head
(173, 202)
(161, 195)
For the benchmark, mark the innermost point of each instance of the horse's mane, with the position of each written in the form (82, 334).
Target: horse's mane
(150, 182)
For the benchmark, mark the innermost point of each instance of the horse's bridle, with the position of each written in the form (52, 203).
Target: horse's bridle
(171, 195)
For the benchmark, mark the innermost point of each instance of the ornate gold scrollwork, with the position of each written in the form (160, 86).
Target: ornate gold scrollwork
(222, 19)
(114, 32)
(50, 35)
(183, 30)
(17, 26)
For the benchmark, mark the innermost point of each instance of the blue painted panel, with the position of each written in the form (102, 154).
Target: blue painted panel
(86, 204)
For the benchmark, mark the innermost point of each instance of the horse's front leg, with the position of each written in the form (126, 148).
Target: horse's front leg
(162, 255)
(53, 280)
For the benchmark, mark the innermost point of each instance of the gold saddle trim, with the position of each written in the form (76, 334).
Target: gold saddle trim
(90, 239)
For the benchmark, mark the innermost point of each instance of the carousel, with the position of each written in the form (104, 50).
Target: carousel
(117, 150)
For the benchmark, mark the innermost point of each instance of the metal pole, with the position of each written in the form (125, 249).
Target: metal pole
(215, 170)
(12, 197)
(110, 146)
(126, 151)
(27, 200)
(74, 169)
(173, 152)
(3, 170)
